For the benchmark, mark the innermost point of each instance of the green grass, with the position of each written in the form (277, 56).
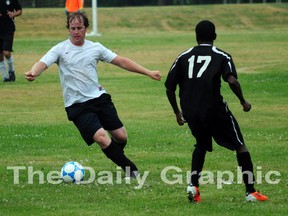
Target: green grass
(34, 130)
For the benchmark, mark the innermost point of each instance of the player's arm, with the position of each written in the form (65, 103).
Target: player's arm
(236, 88)
(173, 102)
(13, 14)
(35, 71)
(132, 66)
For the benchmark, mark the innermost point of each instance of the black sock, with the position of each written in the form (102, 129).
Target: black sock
(116, 154)
(198, 158)
(121, 145)
(245, 163)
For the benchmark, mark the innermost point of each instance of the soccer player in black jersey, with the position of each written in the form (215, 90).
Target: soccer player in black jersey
(9, 9)
(198, 72)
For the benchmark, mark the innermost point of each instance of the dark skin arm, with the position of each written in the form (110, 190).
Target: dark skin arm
(236, 88)
(173, 102)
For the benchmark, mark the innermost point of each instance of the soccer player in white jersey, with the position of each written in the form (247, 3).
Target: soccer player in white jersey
(86, 101)
(198, 73)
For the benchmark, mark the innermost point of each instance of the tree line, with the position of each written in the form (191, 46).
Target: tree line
(125, 3)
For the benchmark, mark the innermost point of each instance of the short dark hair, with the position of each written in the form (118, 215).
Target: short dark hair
(79, 15)
(205, 31)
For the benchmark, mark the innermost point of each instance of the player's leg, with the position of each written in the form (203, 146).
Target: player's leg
(87, 124)
(229, 135)
(2, 62)
(232, 137)
(10, 62)
(101, 138)
(246, 165)
(197, 163)
(115, 153)
(119, 136)
(92, 130)
(7, 49)
(110, 121)
(198, 159)
(204, 143)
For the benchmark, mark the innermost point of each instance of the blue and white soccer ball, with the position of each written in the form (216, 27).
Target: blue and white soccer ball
(72, 172)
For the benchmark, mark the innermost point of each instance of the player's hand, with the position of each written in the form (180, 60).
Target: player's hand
(30, 76)
(180, 119)
(246, 106)
(156, 75)
(10, 14)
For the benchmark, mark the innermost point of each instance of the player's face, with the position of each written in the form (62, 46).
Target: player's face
(77, 32)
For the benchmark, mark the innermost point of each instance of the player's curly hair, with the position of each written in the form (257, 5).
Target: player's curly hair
(80, 16)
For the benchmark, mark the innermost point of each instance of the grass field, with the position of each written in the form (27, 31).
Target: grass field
(36, 137)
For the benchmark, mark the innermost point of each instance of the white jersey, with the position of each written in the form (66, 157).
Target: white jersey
(77, 67)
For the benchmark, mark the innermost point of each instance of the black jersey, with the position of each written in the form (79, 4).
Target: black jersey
(7, 23)
(198, 73)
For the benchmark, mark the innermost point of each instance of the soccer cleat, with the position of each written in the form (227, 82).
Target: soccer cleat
(12, 76)
(256, 196)
(193, 194)
(6, 79)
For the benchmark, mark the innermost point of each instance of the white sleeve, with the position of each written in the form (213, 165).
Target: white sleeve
(51, 57)
(106, 55)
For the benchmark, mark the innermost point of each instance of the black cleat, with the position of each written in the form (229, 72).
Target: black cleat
(6, 79)
(12, 76)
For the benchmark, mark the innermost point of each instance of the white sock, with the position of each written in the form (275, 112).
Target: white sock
(10, 62)
(3, 69)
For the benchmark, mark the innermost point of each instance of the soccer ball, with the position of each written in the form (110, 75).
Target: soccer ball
(72, 172)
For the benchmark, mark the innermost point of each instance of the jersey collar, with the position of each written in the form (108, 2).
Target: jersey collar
(204, 44)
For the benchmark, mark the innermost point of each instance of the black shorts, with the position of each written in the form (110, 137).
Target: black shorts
(222, 127)
(92, 115)
(6, 41)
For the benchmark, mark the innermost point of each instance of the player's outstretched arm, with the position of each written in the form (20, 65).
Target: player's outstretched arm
(132, 66)
(35, 71)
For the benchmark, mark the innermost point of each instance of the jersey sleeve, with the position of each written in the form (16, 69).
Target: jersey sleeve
(106, 54)
(51, 57)
(228, 68)
(172, 79)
